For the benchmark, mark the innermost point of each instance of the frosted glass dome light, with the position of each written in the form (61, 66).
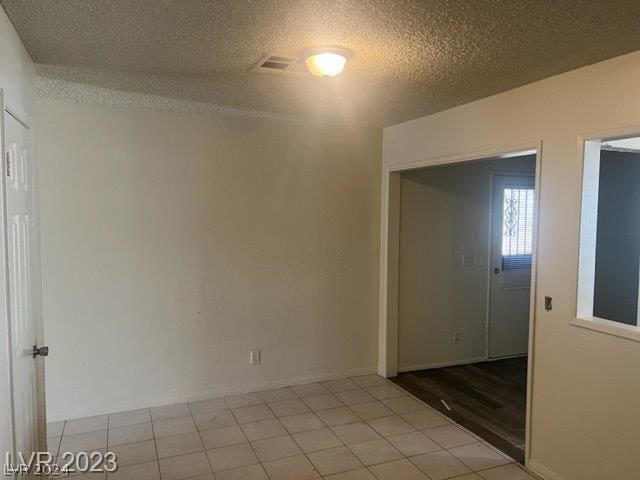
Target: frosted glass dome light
(326, 62)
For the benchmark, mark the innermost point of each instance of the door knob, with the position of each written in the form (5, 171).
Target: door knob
(496, 270)
(42, 351)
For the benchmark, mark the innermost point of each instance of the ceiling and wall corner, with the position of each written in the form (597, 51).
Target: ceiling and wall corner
(410, 58)
(17, 71)
(80, 92)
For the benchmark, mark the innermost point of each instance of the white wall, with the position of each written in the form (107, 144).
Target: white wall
(585, 416)
(445, 218)
(173, 244)
(17, 73)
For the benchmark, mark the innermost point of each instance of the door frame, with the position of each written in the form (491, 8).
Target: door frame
(492, 233)
(5, 320)
(389, 260)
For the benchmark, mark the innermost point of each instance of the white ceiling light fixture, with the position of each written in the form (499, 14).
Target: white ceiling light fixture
(327, 61)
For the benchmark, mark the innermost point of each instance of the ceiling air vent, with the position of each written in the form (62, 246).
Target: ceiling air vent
(281, 65)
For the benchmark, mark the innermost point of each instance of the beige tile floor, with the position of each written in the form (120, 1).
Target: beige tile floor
(362, 428)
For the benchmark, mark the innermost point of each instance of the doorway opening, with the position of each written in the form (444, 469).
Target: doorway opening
(465, 253)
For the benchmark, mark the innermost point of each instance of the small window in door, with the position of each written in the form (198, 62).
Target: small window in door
(517, 228)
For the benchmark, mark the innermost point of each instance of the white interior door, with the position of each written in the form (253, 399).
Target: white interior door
(511, 251)
(18, 183)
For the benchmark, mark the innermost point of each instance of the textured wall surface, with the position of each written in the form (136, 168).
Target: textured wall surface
(173, 244)
(410, 57)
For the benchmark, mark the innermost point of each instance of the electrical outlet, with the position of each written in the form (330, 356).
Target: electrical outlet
(255, 357)
(456, 337)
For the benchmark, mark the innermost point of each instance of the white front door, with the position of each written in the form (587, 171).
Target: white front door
(511, 250)
(20, 242)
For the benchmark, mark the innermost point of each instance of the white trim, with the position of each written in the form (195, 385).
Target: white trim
(589, 187)
(387, 326)
(382, 268)
(5, 318)
(515, 151)
(428, 366)
(489, 272)
(532, 306)
(542, 471)
(387, 367)
(621, 330)
(638, 302)
(215, 393)
(507, 357)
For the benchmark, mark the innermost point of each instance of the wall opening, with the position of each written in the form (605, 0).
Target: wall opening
(465, 249)
(609, 264)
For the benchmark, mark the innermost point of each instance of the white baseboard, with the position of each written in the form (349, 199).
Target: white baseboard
(542, 471)
(508, 357)
(427, 366)
(218, 392)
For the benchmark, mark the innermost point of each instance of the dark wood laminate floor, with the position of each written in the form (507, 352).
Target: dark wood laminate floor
(488, 398)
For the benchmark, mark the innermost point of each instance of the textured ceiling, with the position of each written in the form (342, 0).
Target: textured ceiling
(410, 57)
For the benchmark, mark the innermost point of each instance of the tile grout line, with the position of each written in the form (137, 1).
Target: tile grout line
(465, 430)
(289, 434)
(367, 466)
(248, 442)
(344, 443)
(204, 449)
(303, 453)
(155, 444)
(325, 425)
(306, 454)
(106, 474)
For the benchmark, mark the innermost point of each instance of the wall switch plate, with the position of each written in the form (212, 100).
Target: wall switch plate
(255, 357)
(456, 337)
